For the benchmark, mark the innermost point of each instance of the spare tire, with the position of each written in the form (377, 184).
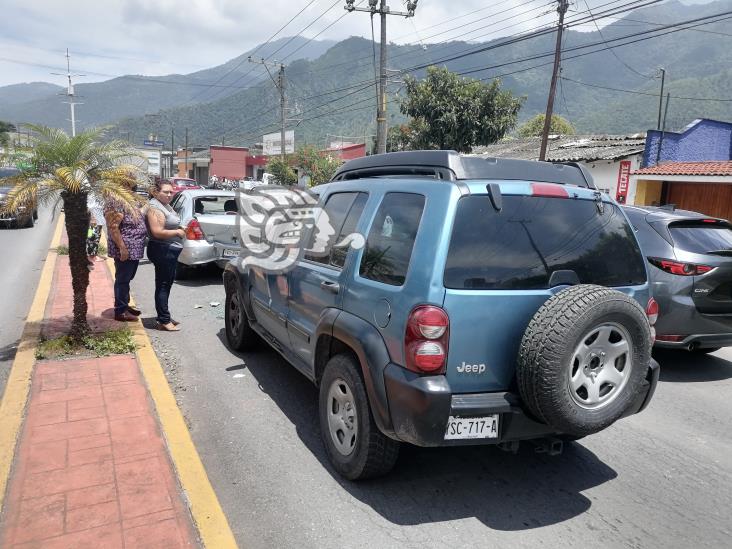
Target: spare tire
(584, 358)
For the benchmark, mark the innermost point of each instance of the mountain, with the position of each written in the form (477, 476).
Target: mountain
(697, 66)
(130, 95)
(17, 94)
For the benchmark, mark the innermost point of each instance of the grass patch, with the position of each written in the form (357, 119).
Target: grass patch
(112, 342)
(62, 250)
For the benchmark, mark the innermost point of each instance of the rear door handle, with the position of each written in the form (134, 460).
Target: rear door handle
(330, 286)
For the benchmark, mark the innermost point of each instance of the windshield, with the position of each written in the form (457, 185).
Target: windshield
(701, 239)
(520, 246)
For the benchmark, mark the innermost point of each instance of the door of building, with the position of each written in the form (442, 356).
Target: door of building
(712, 199)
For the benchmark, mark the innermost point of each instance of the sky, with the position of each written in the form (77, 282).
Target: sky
(154, 37)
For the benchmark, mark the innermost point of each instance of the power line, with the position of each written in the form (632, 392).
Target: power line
(631, 69)
(648, 94)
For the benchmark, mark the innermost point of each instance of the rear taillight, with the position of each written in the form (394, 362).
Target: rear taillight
(679, 268)
(551, 190)
(426, 339)
(652, 311)
(193, 231)
(652, 314)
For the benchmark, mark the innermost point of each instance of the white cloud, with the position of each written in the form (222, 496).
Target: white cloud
(115, 37)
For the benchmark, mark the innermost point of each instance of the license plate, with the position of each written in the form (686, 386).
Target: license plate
(460, 428)
(230, 253)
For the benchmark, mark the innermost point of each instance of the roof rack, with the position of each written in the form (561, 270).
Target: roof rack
(451, 166)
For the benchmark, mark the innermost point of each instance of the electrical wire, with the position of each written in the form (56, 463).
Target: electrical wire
(631, 69)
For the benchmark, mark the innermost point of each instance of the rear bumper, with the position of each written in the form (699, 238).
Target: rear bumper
(420, 407)
(700, 341)
(197, 252)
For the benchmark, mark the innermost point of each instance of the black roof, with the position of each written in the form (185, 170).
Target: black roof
(450, 165)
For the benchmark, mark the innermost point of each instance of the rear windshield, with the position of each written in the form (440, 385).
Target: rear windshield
(531, 237)
(701, 239)
(215, 205)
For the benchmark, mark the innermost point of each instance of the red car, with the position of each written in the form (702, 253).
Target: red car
(183, 184)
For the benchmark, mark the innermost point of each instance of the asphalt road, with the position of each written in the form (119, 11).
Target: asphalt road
(22, 254)
(662, 478)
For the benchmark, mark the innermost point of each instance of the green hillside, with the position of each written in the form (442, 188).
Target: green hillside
(697, 64)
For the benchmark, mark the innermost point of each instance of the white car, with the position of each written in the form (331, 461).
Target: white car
(209, 219)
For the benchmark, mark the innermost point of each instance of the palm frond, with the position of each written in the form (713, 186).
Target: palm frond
(23, 195)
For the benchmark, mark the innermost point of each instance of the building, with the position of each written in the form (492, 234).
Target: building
(610, 159)
(236, 163)
(193, 164)
(346, 151)
(691, 169)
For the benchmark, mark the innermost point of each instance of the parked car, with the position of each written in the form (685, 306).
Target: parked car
(24, 218)
(206, 215)
(183, 184)
(690, 264)
(494, 301)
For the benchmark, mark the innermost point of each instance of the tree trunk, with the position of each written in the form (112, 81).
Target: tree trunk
(77, 225)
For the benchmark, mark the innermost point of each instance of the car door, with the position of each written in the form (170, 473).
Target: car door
(268, 294)
(316, 282)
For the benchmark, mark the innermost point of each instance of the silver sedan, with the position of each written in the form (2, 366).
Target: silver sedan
(209, 218)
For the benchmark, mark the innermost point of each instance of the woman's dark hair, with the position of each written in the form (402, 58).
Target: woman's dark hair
(158, 185)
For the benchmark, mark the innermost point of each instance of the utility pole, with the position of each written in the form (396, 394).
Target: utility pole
(663, 129)
(383, 10)
(187, 154)
(70, 91)
(281, 85)
(660, 97)
(562, 9)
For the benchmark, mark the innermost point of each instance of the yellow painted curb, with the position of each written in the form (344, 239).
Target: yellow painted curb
(209, 517)
(15, 397)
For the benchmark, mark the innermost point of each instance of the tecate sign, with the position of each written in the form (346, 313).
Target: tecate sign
(271, 143)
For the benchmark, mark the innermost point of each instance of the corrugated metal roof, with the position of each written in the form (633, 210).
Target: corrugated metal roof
(569, 148)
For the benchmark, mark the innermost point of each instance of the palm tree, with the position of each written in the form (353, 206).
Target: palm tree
(72, 169)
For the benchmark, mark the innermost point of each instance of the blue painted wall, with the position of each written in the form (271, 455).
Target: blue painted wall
(702, 140)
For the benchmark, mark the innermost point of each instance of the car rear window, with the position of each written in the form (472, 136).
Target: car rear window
(701, 238)
(215, 205)
(520, 246)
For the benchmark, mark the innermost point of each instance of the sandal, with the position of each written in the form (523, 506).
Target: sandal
(169, 327)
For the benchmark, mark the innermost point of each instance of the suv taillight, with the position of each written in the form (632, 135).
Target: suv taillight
(193, 231)
(652, 314)
(426, 340)
(551, 190)
(678, 268)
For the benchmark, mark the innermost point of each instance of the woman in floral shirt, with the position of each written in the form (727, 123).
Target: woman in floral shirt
(126, 244)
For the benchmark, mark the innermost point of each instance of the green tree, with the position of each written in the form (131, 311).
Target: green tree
(535, 126)
(72, 169)
(281, 170)
(317, 165)
(451, 112)
(5, 129)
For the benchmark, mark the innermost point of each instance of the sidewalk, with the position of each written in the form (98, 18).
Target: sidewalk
(91, 468)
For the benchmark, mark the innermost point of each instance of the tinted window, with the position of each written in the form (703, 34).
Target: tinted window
(531, 237)
(338, 255)
(336, 207)
(391, 238)
(701, 239)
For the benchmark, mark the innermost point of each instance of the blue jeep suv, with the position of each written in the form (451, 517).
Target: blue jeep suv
(493, 301)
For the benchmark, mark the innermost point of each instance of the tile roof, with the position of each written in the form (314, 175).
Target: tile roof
(568, 148)
(688, 168)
